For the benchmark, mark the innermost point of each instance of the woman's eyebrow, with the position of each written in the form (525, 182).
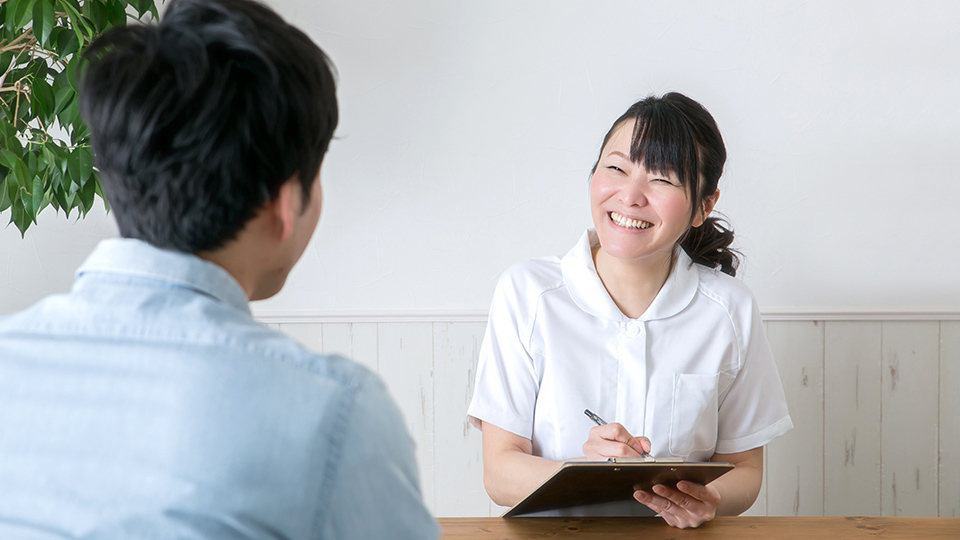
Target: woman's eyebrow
(619, 153)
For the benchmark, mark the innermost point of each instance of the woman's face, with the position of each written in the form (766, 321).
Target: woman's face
(638, 214)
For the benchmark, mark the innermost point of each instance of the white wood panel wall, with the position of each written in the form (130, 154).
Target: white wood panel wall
(875, 404)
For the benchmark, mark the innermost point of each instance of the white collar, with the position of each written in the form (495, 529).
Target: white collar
(583, 282)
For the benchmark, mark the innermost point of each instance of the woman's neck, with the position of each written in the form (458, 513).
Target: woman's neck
(633, 284)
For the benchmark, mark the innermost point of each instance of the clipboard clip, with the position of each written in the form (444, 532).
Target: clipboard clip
(646, 460)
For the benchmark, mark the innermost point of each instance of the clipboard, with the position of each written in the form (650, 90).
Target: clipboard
(579, 483)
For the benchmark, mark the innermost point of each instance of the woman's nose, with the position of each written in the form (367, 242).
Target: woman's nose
(633, 192)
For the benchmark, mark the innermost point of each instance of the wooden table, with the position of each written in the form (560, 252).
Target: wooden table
(722, 528)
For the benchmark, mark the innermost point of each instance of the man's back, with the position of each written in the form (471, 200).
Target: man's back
(147, 402)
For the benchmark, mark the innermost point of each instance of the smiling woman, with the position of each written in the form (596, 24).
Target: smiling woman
(652, 188)
(642, 322)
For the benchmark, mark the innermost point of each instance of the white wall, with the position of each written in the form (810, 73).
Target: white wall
(468, 130)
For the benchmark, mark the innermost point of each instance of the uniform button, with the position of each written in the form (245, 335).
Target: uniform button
(633, 329)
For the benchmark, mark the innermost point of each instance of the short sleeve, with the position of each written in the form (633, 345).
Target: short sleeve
(376, 482)
(505, 392)
(754, 410)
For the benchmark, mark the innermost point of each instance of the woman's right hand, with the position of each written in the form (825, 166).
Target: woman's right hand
(614, 441)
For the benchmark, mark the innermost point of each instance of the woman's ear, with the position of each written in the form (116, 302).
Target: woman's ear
(708, 204)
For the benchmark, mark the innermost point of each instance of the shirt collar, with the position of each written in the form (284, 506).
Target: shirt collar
(583, 282)
(135, 258)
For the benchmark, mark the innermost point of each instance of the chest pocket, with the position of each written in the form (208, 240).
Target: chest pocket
(693, 422)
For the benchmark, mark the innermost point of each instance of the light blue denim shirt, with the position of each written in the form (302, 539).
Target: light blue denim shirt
(147, 403)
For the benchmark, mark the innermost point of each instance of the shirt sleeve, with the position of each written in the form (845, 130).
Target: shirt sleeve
(505, 392)
(754, 410)
(376, 486)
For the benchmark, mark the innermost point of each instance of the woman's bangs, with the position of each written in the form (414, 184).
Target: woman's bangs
(663, 146)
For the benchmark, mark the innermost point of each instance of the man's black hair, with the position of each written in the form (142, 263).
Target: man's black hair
(198, 121)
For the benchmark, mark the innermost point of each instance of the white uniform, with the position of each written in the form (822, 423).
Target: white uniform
(694, 373)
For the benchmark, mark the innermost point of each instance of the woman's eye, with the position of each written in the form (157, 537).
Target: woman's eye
(614, 167)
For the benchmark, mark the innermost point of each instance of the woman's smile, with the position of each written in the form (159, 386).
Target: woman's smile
(628, 223)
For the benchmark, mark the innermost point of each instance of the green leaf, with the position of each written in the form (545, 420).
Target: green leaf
(86, 162)
(8, 159)
(31, 163)
(143, 6)
(86, 196)
(59, 200)
(63, 97)
(93, 11)
(5, 60)
(4, 25)
(67, 43)
(4, 197)
(71, 72)
(116, 12)
(10, 15)
(20, 199)
(60, 156)
(49, 159)
(103, 196)
(18, 218)
(55, 178)
(61, 80)
(43, 101)
(43, 21)
(22, 14)
(11, 142)
(76, 21)
(73, 170)
(70, 110)
(79, 132)
(38, 68)
(7, 132)
(11, 185)
(36, 198)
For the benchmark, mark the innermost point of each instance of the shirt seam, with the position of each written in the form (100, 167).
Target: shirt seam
(733, 325)
(335, 439)
(532, 323)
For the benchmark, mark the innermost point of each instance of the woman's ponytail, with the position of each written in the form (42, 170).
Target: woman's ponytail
(709, 245)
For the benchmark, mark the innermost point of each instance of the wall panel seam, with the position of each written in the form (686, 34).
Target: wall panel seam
(823, 416)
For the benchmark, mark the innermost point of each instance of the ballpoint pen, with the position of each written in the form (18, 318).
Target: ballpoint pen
(600, 422)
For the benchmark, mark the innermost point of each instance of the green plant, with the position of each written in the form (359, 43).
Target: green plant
(45, 154)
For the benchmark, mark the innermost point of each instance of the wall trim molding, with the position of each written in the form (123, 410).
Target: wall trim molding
(412, 316)
(870, 314)
(468, 315)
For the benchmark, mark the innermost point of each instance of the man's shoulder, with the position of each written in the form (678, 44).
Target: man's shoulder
(286, 350)
(194, 328)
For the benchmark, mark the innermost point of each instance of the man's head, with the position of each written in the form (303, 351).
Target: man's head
(198, 122)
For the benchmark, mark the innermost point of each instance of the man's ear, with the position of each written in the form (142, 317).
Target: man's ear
(286, 207)
(708, 204)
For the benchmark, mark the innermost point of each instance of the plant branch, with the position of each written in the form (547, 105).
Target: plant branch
(12, 46)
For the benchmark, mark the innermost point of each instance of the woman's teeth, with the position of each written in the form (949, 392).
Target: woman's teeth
(629, 223)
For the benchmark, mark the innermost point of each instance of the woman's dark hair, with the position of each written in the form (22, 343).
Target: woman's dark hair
(676, 134)
(198, 121)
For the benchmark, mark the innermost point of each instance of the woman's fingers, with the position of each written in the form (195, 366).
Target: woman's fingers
(700, 492)
(642, 445)
(681, 507)
(613, 440)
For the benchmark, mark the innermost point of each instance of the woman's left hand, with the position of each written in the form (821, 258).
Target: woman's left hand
(690, 505)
